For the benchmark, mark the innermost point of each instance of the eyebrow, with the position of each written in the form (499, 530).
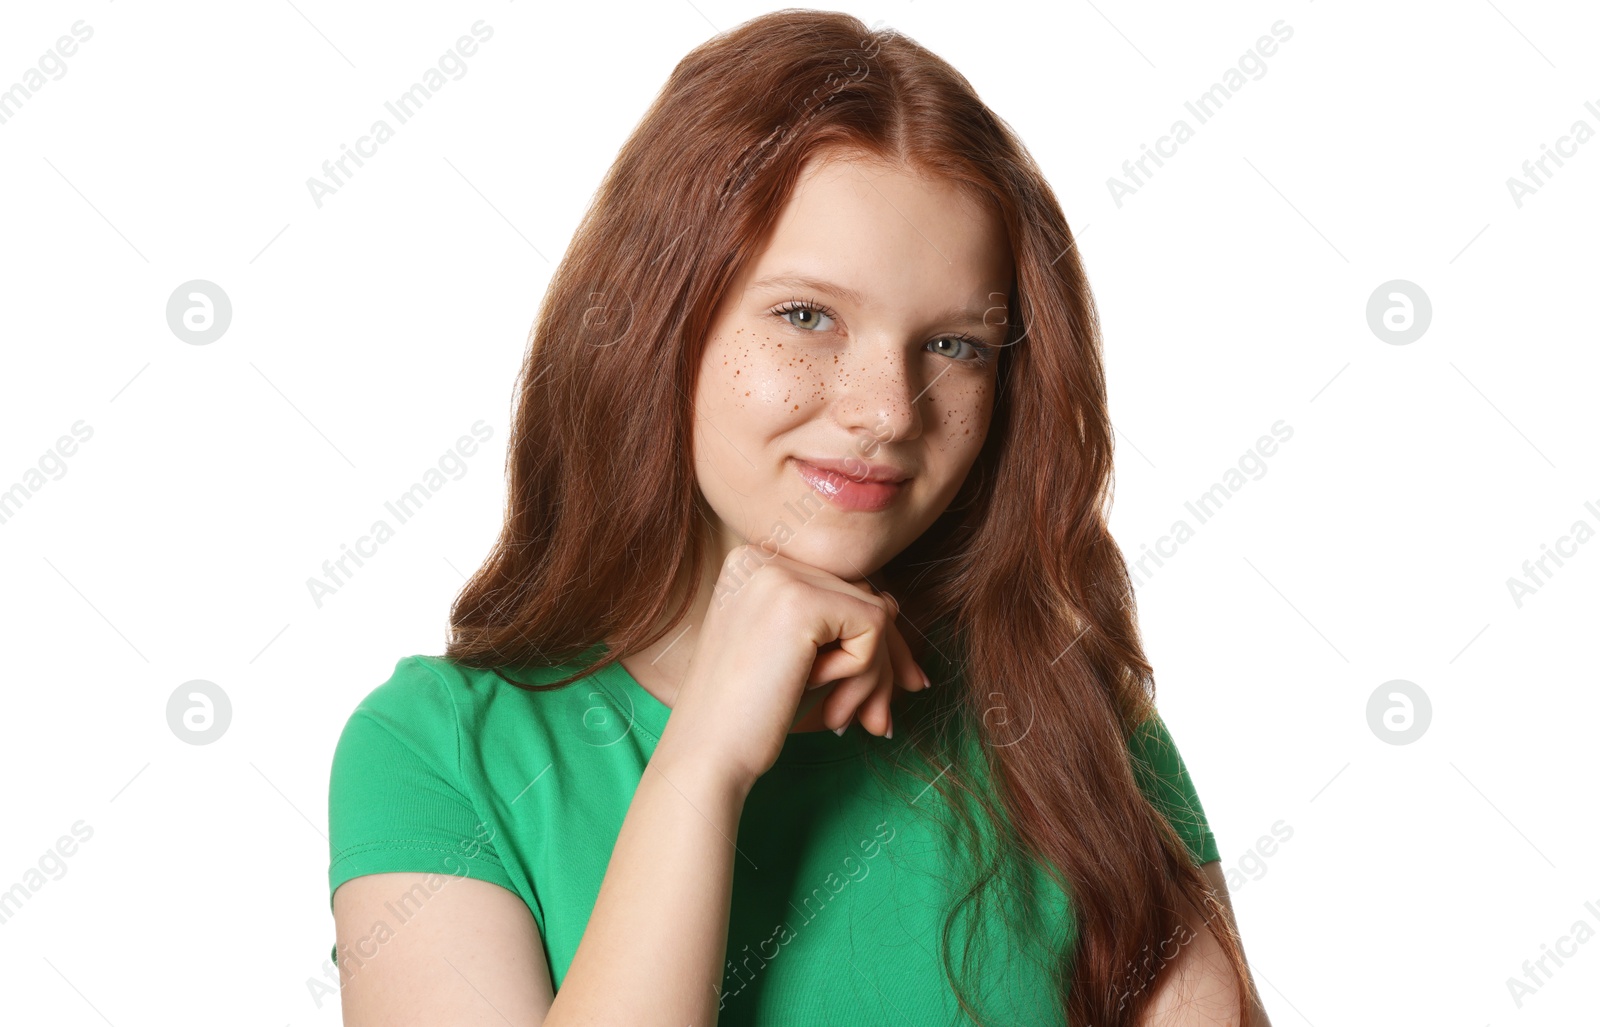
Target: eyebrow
(955, 315)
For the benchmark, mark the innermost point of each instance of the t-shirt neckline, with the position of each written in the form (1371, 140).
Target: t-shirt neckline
(648, 714)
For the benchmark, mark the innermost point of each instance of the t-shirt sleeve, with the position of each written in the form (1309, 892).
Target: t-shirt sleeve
(1161, 774)
(396, 796)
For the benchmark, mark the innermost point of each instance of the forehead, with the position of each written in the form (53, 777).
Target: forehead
(888, 234)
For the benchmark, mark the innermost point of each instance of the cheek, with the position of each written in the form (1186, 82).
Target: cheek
(763, 377)
(960, 415)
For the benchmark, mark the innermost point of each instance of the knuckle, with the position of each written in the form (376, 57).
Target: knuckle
(785, 594)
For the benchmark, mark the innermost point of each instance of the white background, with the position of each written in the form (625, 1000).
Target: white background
(369, 334)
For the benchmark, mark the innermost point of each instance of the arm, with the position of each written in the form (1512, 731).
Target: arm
(1198, 988)
(471, 956)
(429, 927)
(652, 952)
(655, 945)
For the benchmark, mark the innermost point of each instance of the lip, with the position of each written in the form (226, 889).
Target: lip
(856, 470)
(849, 493)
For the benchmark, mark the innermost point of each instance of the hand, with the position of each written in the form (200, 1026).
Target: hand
(868, 697)
(785, 629)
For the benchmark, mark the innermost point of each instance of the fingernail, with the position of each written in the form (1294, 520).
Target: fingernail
(889, 733)
(840, 730)
(927, 682)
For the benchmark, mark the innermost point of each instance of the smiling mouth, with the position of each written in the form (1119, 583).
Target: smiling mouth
(848, 493)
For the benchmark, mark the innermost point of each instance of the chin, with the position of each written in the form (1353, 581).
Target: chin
(825, 550)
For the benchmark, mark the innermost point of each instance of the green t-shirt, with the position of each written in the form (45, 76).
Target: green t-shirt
(841, 884)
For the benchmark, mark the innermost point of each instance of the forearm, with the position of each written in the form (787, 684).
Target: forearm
(656, 942)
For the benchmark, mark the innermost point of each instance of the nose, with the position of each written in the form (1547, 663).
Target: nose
(881, 394)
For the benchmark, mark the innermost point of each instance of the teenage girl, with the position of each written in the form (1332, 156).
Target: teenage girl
(803, 685)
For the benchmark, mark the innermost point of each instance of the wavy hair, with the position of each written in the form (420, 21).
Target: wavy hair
(602, 510)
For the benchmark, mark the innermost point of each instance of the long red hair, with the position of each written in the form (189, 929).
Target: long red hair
(602, 523)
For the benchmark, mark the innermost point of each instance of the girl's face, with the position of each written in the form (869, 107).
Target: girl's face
(866, 335)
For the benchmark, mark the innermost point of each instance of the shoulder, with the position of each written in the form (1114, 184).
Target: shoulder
(411, 713)
(419, 693)
(450, 711)
(1151, 740)
(404, 791)
(423, 688)
(1162, 775)
(422, 705)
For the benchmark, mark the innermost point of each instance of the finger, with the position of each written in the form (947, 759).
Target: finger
(858, 626)
(831, 666)
(874, 713)
(855, 686)
(907, 672)
(865, 697)
(834, 664)
(844, 703)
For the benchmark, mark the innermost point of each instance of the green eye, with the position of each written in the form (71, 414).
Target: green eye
(982, 352)
(803, 306)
